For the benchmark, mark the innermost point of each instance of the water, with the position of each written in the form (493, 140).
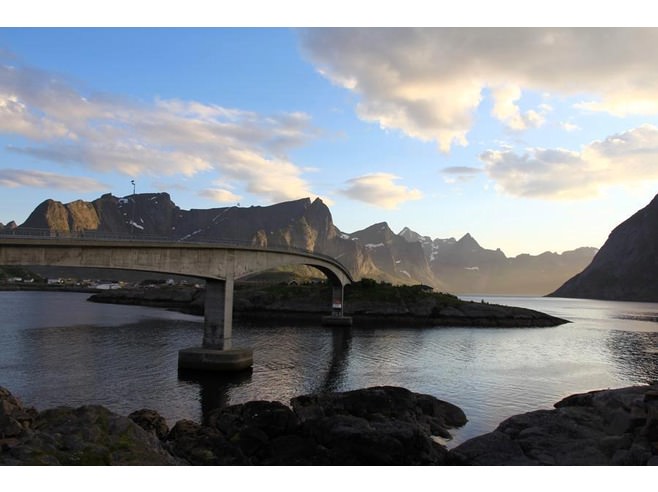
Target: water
(59, 349)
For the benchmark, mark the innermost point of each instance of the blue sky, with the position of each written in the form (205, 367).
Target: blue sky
(530, 139)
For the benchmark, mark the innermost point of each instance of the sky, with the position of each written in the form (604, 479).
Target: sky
(531, 139)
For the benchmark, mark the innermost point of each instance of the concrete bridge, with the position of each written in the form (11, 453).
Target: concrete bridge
(220, 264)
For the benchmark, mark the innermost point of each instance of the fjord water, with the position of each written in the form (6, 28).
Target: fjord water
(58, 349)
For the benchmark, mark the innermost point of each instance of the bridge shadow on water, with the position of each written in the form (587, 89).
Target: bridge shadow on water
(341, 340)
(216, 389)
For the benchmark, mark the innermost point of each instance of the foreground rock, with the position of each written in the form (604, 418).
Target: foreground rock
(88, 435)
(608, 427)
(374, 426)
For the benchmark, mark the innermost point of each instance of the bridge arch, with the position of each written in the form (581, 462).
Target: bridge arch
(203, 260)
(219, 264)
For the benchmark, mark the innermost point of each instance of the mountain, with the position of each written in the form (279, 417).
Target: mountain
(466, 267)
(400, 260)
(12, 225)
(300, 223)
(450, 265)
(626, 267)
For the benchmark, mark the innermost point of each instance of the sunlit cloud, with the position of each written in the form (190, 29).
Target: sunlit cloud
(429, 82)
(174, 137)
(219, 195)
(380, 189)
(620, 159)
(17, 178)
(506, 109)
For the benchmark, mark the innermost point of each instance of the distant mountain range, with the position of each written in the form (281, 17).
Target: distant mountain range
(457, 266)
(626, 267)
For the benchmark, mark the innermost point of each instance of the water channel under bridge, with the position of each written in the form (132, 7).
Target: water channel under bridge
(219, 264)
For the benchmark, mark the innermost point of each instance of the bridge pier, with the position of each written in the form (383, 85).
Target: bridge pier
(217, 352)
(218, 314)
(337, 317)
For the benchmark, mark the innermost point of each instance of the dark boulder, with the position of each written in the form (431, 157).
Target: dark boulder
(151, 421)
(384, 403)
(374, 426)
(203, 445)
(607, 427)
(88, 435)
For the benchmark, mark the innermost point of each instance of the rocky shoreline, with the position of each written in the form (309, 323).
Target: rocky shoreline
(372, 426)
(604, 427)
(399, 306)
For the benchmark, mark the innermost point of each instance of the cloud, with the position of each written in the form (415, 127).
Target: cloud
(428, 82)
(506, 109)
(15, 178)
(569, 127)
(624, 158)
(461, 170)
(380, 189)
(219, 195)
(460, 174)
(168, 137)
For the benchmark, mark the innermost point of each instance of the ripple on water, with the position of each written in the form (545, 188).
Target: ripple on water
(56, 348)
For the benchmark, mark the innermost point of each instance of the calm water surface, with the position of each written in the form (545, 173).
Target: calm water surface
(59, 349)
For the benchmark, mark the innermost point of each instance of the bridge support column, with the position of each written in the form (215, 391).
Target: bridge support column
(218, 314)
(217, 352)
(337, 318)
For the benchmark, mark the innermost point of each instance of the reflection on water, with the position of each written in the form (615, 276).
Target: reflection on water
(635, 353)
(214, 389)
(56, 348)
(334, 378)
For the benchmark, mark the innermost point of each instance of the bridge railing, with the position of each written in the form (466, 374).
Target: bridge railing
(91, 235)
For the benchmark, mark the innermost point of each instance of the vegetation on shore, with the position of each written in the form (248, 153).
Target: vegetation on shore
(365, 300)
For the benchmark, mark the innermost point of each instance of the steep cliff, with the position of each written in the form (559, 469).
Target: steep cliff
(626, 267)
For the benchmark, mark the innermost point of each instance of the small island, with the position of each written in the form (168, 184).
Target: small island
(366, 301)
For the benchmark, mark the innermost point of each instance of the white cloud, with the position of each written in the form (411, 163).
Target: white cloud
(15, 178)
(380, 189)
(625, 158)
(569, 127)
(219, 195)
(506, 109)
(429, 82)
(17, 118)
(165, 138)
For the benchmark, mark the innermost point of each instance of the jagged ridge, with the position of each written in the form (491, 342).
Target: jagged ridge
(458, 266)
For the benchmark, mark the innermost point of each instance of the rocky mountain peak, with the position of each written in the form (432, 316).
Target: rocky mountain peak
(376, 252)
(467, 239)
(625, 267)
(10, 226)
(49, 214)
(375, 234)
(413, 236)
